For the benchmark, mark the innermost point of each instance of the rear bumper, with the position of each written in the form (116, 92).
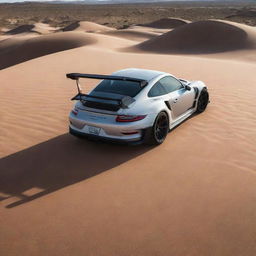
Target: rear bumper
(108, 139)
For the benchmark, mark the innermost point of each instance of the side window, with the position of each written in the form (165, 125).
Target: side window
(170, 84)
(156, 90)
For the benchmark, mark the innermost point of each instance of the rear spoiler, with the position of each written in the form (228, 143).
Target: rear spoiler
(76, 76)
(124, 102)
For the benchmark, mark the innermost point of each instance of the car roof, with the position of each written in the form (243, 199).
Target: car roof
(138, 73)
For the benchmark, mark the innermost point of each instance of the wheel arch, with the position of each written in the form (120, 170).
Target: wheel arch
(167, 113)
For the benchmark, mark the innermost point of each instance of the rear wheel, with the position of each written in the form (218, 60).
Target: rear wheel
(202, 101)
(157, 134)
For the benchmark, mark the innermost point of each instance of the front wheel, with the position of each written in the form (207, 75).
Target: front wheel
(157, 134)
(202, 101)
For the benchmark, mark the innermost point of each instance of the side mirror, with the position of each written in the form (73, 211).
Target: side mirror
(187, 87)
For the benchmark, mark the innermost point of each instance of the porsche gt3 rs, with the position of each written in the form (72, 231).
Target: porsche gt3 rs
(135, 105)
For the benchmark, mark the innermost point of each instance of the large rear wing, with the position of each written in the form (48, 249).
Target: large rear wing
(76, 76)
(124, 102)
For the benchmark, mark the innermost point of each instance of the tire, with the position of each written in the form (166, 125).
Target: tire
(156, 135)
(203, 101)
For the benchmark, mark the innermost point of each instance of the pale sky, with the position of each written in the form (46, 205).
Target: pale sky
(4, 1)
(76, 0)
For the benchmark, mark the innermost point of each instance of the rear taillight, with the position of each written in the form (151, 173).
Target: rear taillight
(129, 118)
(75, 111)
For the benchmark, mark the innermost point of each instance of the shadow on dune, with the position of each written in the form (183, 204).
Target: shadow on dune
(57, 163)
(71, 26)
(13, 51)
(21, 29)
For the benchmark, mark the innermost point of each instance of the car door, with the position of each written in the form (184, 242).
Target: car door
(181, 99)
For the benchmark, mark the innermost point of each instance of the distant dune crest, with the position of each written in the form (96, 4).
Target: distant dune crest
(209, 36)
(27, 42)
(87, 26)
(17, 50)
(166, 23)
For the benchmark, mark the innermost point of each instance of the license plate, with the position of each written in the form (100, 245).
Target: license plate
(94, 130)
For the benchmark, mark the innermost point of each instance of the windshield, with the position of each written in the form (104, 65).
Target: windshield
(126, 88)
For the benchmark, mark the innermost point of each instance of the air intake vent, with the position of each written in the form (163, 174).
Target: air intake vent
(100, 105)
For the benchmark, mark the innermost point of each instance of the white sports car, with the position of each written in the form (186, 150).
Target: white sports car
(135, 105)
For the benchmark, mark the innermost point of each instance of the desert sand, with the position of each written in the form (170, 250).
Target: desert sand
(193, 195)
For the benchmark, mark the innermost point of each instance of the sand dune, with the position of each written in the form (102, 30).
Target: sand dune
(203, 37)
(87, 26)
(132, 34)
(167, 23)
(158, 31)
(193, 195)
(43, 28)
(14, 51)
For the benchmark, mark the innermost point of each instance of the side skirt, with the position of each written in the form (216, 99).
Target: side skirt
(182, 118)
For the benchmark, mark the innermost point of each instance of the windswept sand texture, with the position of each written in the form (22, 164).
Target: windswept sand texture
(193, 195)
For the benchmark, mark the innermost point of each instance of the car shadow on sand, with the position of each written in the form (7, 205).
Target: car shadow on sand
(57, 163)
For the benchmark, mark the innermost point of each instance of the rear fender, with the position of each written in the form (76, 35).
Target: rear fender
(197, 84)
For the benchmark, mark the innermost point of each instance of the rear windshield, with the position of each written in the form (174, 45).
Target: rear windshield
(126, 88)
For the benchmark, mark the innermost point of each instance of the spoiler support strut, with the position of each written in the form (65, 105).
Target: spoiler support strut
(78, 86)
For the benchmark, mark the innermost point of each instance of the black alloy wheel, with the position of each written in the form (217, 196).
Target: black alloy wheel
(203, 101)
